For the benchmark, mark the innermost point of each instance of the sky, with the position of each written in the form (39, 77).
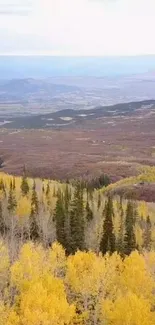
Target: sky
(77, 27)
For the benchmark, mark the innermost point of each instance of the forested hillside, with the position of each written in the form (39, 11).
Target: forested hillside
(71, 254)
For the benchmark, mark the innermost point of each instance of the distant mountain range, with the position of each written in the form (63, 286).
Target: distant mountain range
(46, 66)
(81, 118)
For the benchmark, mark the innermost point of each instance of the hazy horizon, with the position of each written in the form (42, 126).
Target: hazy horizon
(50, 66)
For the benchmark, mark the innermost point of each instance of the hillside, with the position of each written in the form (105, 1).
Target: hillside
(62, 245)
(138, 187)
(42, 198)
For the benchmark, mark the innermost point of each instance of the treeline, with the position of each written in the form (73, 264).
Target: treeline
(77, 217)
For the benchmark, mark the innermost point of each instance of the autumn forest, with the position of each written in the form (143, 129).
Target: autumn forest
(75, 254)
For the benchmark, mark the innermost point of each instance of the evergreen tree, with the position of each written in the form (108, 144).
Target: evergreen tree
(43, 188)
(107, 243)
(2, 223)
(48, 194)
(24, 186)
(120, 241)
(89, 213)
(77, 220)
(129, 237)
(99, 200)
(60, 220)
(11, 185)
(12, 203)
(147, 234)
(47, 189)
(34, 199)
(34, 228)
(14, 184)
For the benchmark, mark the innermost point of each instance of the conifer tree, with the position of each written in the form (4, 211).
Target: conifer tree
(14, 184)
(89, 213)
(24, 186)
(47, 189)
(107, 243)
(34, 199)
(147, 234)
(77, 224)
(48, 194)
(2, 223)
(11, 185)
(12, 203)
(99, 200)
(120, 241)
(129, 237)
(60, 220)
(34, 228)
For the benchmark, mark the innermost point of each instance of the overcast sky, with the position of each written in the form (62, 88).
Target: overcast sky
(77, 27)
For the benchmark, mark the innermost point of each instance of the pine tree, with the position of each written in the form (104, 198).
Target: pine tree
(34, 199)
(99, 201)
(11, 185)
(129, 237)
(34, 228)
(24, 186)
(48, 194)
(12, 203)
(107, 243)
(14, 184)
(77, 220)
(2, 223)
(60, 220)
(120, 241)
(89, 213)
(147, 234)
(47, 189)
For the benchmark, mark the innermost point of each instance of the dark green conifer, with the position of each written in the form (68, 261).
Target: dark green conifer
(2, 223)
(120, 241)
(24, 186)
(14, 184)
(89, 213)
(12, 203)
(43, 188)
(34, 200)
(77, 224)
(60, 220)
(34, 228)
(147, 240)
(129, 237)
(99, 200)
(108, 238)
(47, 189)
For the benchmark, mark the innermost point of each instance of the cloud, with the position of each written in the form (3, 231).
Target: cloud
(10, 7)
(82, 27)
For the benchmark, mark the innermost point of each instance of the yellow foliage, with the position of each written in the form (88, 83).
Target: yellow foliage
(127, 310)
(45, 303)
(136, 278)
(23, 207)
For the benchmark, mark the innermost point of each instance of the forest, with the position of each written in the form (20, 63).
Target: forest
(75, 254)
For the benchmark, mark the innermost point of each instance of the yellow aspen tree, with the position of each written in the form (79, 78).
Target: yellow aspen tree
(127, 310)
